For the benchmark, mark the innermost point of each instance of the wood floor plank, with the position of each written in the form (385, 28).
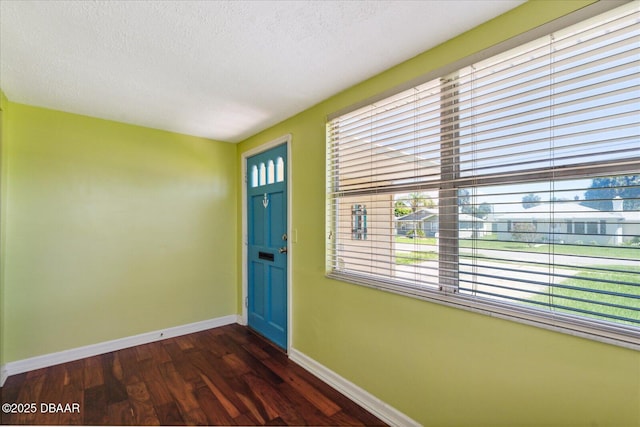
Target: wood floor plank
(116, 391)
(209, 341)
(11, 387)
(30, 393)
(274, 403)
(218, 331)
(231, 409)
(36, 372)
(188, 372)
(352, 411)
(143, 352)
(74, 374)
(116, 366)
(238, 386)
(159, 393)
(95, 405)
(120, 413)
(93, 372)
(210, 375)
(223, 376)
(216, 414)
(236, 364)
(156, 387)
(240, 334)
(256, 413)
(320, 401)
(276, 422)
(196, 417)
(143, 410)
(344, 419)
(256, 351)
(238, 353)
(72, 395)
(182, 393)
(245, 420)
(160, 355)
(9, 394)
(52, 386)
(312, 415)
(347, 405)
(185, 342)
(173, 349)
(128, 359)
(169, 415)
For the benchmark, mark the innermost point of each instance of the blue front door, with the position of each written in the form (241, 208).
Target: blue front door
(267, 244)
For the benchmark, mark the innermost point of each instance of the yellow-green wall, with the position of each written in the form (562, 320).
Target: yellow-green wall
(439, 365)
(3, 132)
(111, 230)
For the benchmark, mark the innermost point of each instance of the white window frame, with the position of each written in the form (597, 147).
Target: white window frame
(628, 337)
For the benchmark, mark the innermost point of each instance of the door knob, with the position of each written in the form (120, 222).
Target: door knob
(283, 250)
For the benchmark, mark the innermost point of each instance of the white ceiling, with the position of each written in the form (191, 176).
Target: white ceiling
(223, 70)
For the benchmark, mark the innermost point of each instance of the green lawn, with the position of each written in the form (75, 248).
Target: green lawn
(619, 252)
(417, 240)
(627, 278)
(593, 280)
(407, 258)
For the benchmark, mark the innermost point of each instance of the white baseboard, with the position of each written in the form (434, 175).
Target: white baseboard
(362, 397)
(25, 365)
(365, 399)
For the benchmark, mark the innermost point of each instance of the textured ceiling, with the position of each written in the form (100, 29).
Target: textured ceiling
(218, 69)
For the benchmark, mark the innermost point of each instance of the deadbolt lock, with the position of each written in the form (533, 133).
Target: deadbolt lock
(284, 237)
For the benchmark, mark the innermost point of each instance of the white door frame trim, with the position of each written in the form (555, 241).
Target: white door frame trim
(285, 139)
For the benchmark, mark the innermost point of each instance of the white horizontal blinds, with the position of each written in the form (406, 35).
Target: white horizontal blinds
(375, 252)
(513, 181)
(542, 248)
(566, 101)
(381, 137)
(373, 154)
(566, 128)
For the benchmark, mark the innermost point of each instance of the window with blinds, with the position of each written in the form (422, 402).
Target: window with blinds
(510, 186)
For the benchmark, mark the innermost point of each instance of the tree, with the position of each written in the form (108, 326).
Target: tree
(417, 200)
(530, 201)
(483, 210)
(464, 201)
(525, 232)
(401, 209)
(604, 189)
(466, 207)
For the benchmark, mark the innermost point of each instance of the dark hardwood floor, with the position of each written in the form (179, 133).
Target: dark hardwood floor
(223, 376)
